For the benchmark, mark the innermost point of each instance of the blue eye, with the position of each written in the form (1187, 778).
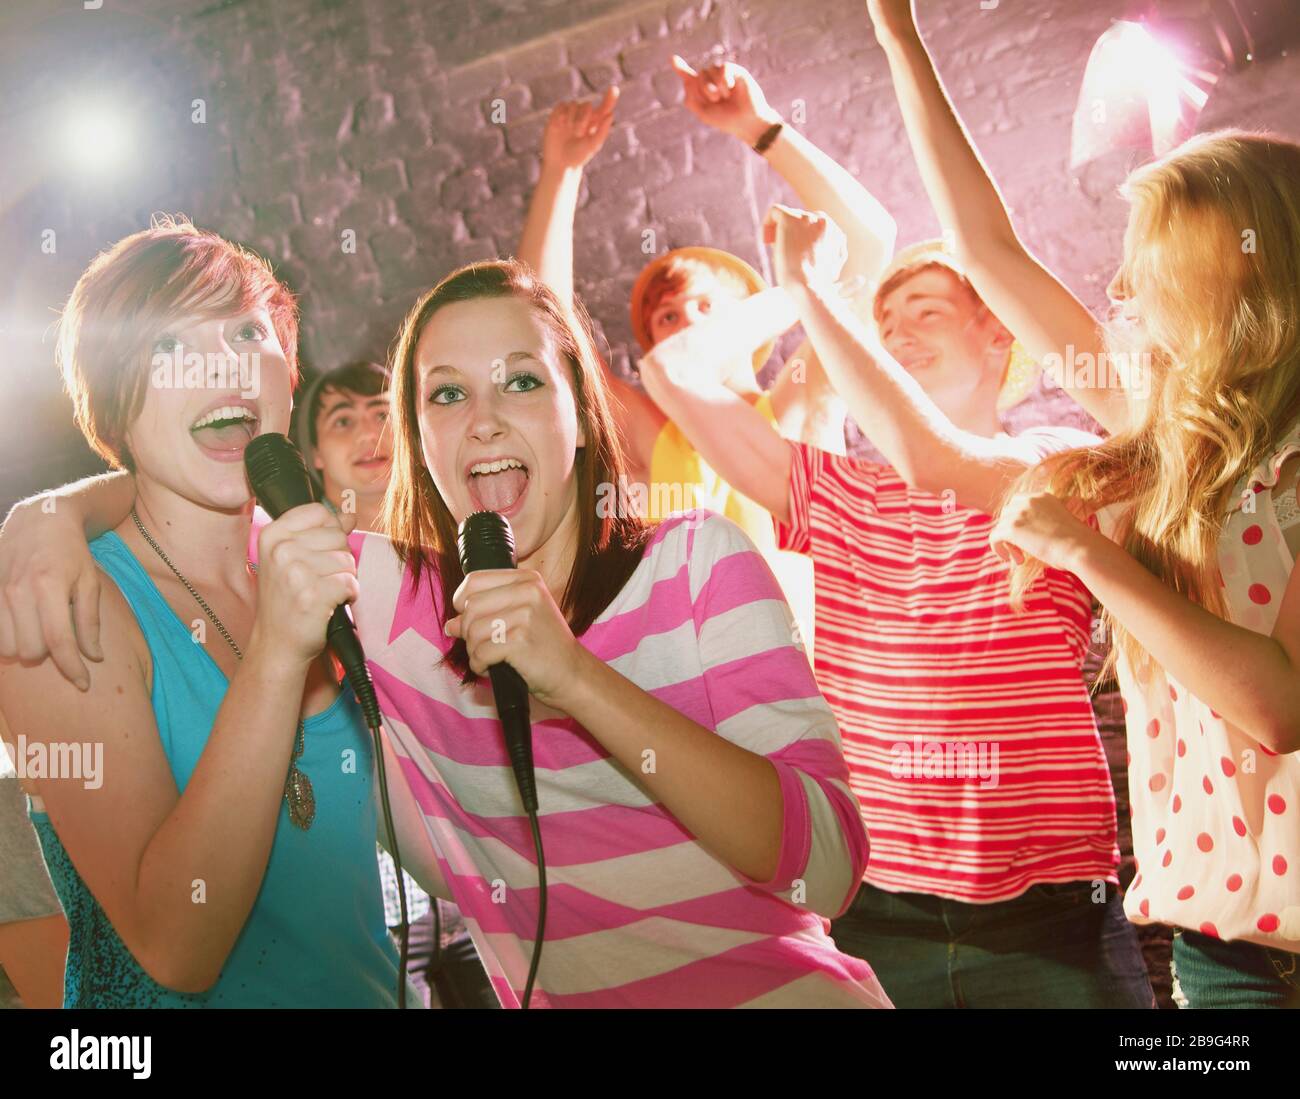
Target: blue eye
(258, 333)
(166, 345)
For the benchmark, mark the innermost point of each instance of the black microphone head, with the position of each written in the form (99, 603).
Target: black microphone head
(277, 474)
(486, 542)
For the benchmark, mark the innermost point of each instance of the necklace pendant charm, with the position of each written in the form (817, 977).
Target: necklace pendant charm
(300, 798)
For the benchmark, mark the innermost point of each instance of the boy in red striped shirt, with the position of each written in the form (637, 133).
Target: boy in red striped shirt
(970, 739)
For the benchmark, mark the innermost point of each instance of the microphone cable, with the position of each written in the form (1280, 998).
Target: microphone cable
(485, 541)
(404, 928)
(278, 477)
(540, 935)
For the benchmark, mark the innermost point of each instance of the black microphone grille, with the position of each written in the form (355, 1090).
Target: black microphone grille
(269, 456)
(486, 542)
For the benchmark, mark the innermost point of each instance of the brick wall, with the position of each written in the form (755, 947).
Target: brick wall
(412, 127)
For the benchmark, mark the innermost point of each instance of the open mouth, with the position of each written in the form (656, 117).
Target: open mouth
(224, 432)
(374, 461)
(498, 485)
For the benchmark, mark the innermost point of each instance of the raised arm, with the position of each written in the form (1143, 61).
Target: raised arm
(1032, 302)
(927, 449)
(49, 585)
(574, 133)
(729, 99)
(805, 403)
(731, 435)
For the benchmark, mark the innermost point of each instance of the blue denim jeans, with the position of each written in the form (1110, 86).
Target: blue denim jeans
(1211, 973)
(1053, 946)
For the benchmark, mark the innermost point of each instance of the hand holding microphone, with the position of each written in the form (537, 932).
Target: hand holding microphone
(279, 480)
(514, 633)
(305, 571)
(507, 615)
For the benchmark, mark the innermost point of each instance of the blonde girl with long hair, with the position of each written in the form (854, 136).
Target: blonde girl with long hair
(1183, 524)
(1191, 555)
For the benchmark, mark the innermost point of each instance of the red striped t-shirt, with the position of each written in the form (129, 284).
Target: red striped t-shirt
(967, 728)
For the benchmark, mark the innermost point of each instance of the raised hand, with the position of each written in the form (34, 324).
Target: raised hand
(726, 97)
(576, 130)
(808, 249)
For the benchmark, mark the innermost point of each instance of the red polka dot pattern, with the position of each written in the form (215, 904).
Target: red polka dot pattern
(1240, 843)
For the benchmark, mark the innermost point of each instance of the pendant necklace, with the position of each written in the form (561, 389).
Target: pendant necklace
(298, 794)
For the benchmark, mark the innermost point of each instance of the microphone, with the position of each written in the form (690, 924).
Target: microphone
(279, 480)
(487, 542)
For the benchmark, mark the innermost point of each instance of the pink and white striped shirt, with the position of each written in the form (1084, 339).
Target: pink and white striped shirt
(640, 913)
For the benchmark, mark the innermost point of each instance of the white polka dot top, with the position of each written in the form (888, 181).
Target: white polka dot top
(1216, 816)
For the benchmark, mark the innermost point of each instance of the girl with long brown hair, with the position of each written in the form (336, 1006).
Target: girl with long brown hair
(698, 824)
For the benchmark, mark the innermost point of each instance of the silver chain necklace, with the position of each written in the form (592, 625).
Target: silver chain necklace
(299, 796)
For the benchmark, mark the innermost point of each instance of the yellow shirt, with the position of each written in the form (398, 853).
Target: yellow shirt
(680, 479)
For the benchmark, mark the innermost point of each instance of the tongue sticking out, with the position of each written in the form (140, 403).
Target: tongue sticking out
(499, 491)
(225, 436)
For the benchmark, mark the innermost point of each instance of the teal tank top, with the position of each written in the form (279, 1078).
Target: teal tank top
(315, 936)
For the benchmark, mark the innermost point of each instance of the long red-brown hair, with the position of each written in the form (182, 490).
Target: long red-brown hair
(416, 518)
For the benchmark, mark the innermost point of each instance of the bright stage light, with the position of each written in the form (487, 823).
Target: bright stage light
(1149, 76)
(95, 138)
(1137, 93)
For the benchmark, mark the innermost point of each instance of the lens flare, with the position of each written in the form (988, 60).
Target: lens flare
(95, 138)
(1139, 91)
